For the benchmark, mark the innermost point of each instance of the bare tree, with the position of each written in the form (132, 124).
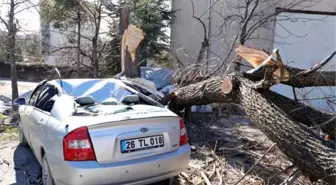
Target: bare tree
(237, 22)
(286, 122)
(89, 46)
(12, 26)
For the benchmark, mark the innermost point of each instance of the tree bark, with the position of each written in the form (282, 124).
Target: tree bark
(78, 39)
(317, 78)
(11, 49)
(307, 151)
(132, 39)
(302, 113)
(95, 58)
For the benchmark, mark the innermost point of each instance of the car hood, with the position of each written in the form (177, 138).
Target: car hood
(112, 113)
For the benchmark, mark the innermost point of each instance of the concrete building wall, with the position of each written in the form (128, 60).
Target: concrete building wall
(187, 33)
(314, 40)
(62, 38)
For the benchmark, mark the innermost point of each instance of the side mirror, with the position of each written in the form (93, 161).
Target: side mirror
(19, 101)
(85, 100)
(130, 99)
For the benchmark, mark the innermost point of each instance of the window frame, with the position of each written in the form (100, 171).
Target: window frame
(37, 90)
(47, 91)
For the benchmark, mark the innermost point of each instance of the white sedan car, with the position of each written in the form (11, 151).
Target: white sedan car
(100, 131)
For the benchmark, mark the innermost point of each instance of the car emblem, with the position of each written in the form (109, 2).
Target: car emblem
(144, 129)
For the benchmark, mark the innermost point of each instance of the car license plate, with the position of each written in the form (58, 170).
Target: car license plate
(144, 143)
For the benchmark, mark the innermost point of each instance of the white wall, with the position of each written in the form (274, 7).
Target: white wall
(319, 40)
(315, 40)
(187, 33)
(60, 38)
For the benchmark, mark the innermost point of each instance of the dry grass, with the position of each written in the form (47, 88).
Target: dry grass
(7, 132)
(225, 148)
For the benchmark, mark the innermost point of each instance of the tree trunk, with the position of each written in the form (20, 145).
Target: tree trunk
(95, 57)
(11, 50)
(302, 113)
(132, 38)
(270, 115)
(78, 40)
(294, 139)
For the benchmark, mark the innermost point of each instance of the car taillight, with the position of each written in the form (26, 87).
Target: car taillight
(77, 146)
(183, 133)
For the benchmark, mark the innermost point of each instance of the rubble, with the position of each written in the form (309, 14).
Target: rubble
(5, 108)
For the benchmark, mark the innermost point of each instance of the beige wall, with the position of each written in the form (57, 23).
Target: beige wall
(187, 33)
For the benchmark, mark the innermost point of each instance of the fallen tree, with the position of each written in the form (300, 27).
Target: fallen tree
(286, 122)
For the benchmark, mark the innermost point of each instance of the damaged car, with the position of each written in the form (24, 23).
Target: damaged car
(101, 131)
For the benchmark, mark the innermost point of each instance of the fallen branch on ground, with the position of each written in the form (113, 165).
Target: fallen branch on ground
(272, 113)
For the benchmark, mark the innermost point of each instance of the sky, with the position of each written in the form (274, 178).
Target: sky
(29, 19)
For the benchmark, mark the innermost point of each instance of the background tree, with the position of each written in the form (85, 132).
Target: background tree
(86, 15)
(66, 15)
(11, 25)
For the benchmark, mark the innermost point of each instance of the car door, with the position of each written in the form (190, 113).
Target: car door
(25, 116)
(40, 115)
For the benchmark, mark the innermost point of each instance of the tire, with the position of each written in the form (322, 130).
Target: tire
(23, 140)
(47, 178)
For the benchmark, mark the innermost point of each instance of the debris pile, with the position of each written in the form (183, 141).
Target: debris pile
(230, 150)
(5, 105)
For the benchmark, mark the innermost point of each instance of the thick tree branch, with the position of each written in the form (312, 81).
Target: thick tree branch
(4, 22)
(318, 65)
(205, 42)
(248, 17)
(273, 114)
(101, 51)
(292, 78)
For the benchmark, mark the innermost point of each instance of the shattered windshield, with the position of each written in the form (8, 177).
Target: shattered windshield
(99, 89)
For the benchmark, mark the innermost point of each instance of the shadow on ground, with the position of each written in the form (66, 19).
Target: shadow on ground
(28, 169)
(236, 141)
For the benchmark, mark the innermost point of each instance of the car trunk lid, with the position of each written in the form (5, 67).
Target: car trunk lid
(139, 132)
(134, 138)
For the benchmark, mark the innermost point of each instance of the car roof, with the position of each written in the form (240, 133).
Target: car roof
(76, 81)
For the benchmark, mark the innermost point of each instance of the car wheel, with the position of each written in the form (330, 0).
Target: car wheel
(46, 174)
(22, 138)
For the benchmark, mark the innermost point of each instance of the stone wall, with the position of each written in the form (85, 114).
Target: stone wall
(40, 71)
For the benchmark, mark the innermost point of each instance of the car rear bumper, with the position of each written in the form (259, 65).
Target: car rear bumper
(134, 172)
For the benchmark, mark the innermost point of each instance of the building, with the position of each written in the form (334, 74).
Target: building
(59, 45)
(302, 30)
